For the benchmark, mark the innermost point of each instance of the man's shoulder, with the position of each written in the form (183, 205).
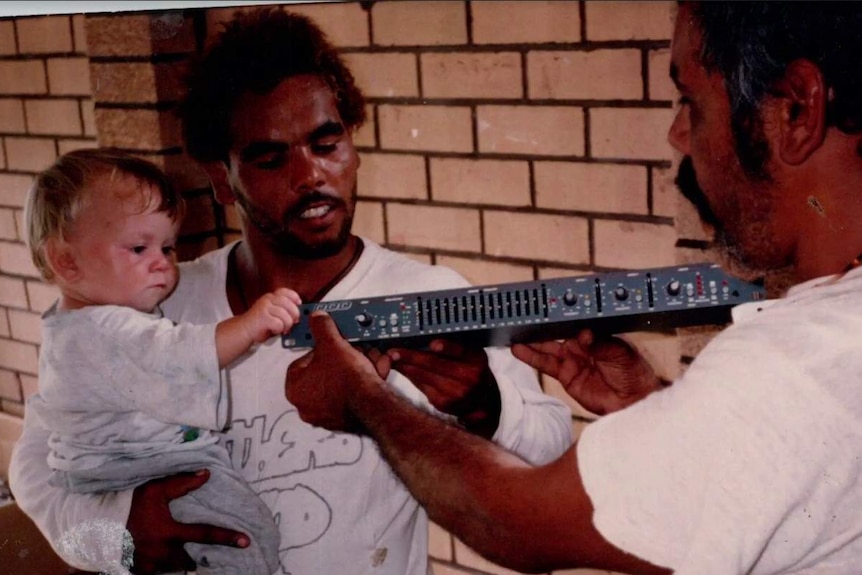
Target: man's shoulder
(206, 264)
(203, 271)
(405, 274)
(201, 284)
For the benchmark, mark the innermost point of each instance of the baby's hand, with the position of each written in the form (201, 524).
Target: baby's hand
(272, 314)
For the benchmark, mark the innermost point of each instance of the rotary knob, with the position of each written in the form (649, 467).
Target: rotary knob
(570, 298)
(673, 288)
(621, 293)
(364, 319)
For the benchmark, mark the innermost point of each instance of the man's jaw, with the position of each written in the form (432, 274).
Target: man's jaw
(686, 182)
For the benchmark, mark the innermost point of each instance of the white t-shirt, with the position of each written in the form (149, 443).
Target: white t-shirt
(340, 507)
(752, 461)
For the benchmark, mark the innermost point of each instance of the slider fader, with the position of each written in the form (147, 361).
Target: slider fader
(499, 315)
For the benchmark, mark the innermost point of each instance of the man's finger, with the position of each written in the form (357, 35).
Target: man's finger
(211, 535)
(437, 351)
(551, 347)
(381, 361)
(429, 361)
(323, 328)
(436, 388)
(542, 357)
(577, 348)
(373, 354)
(182, 483)
(448, 348)
(525, 351)
(302, 362)
(422, 377)
(585, 338)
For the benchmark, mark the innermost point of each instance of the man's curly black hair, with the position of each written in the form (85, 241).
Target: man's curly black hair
(254, 53)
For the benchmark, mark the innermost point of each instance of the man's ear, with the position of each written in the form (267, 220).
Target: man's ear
(802, 104)
(220, 179)
(61, 259)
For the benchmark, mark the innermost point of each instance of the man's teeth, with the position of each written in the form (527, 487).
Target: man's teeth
(315, 212)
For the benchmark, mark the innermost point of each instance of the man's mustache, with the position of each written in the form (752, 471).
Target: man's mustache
(686, 181)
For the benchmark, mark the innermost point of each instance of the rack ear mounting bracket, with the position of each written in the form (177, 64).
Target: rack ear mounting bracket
(523, 312)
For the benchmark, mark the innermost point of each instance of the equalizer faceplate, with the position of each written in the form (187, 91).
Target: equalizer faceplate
(499, 315)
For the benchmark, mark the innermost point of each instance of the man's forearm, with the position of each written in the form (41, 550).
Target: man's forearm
(435, 459)
(520, 516)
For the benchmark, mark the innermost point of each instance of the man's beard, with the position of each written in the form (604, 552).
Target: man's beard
(686, 182)
(728, 249)
(288, 244)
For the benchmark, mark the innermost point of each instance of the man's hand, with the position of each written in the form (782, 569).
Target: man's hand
(322, 382)
(158, 539)
(603, 375)
(456, 380)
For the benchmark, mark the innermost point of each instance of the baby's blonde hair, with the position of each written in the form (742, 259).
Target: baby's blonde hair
(58, 194)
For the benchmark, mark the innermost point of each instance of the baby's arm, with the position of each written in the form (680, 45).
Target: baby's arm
(273, 314)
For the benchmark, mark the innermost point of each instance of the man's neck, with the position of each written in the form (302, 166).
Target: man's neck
(824, 204)
(255, 270)
(830, 242)
(838, 260)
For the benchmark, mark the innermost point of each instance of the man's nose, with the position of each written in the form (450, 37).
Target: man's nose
(305, 170)
(680, 131)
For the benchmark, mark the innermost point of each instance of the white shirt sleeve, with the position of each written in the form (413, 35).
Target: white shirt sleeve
(532, 424)
(86, 531)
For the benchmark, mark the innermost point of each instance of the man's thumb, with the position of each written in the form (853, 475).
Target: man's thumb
(322, 327)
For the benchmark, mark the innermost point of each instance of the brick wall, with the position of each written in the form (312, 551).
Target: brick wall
(137, 62)
(509, 140)
(45, 110)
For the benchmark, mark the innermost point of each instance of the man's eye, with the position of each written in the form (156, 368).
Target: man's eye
(139, 249)
(270, 162)
(168, 250)
(325, 146)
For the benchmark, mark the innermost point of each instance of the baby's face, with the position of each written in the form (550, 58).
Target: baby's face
(124, 249)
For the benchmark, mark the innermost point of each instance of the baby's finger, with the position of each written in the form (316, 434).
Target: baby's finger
(282, 319)
(289, 294)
